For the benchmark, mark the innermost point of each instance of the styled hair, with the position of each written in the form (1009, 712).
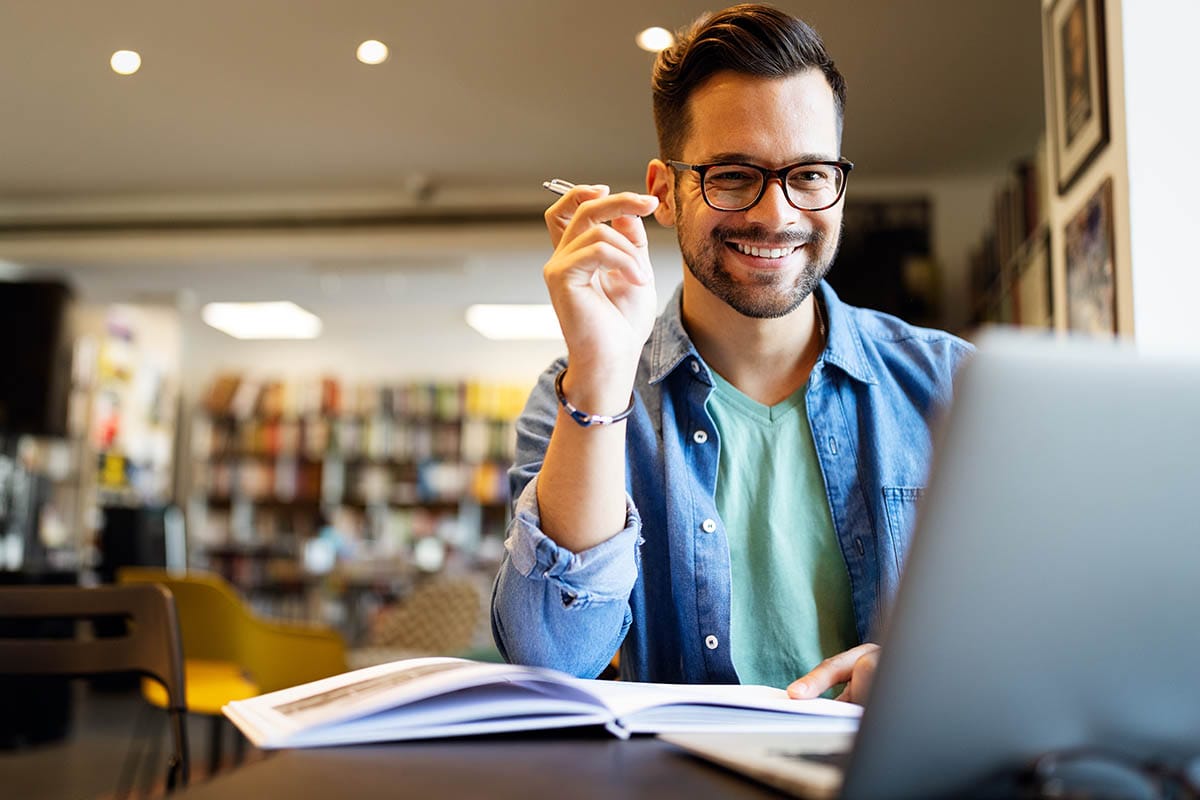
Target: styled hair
(751, 39)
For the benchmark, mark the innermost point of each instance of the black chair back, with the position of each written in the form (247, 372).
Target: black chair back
(150, 644)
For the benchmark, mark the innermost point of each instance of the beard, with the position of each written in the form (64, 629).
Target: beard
(765, 295)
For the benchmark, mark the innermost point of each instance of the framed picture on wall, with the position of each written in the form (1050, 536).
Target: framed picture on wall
(1091, 265)
(1077, 88)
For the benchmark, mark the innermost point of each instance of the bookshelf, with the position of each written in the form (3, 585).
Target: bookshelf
(305, 489)
(1010, 269)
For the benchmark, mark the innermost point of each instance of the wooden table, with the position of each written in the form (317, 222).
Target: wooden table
(577, 765)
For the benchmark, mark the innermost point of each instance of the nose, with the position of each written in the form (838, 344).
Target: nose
(773, 209)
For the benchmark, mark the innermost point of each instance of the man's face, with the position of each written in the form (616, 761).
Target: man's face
(769, 122)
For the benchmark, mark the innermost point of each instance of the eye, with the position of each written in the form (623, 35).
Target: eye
(727, 176)
(808, 177)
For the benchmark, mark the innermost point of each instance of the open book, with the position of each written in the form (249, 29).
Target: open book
(424, 698)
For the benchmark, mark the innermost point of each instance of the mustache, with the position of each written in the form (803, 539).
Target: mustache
(762, 235)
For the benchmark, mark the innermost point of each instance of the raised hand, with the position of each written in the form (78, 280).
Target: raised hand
(602, 286)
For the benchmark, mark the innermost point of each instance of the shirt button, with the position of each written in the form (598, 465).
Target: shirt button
(711, 642)
(700, 437)
(695, 366)
(708, 526)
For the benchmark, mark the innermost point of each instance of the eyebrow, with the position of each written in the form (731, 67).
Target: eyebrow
(746, 158)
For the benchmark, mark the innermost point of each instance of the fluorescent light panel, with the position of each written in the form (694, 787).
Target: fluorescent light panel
(281, 319)
(517, 321)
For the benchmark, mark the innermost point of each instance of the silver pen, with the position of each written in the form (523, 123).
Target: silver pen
(558, 185)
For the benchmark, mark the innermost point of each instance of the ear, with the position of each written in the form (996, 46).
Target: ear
(660, 183)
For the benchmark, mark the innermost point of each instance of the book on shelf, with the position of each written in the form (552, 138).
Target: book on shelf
(426, 698)
(221, 393)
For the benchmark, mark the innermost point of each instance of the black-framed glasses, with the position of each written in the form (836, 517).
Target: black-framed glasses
(1099, 774)
(808, 186)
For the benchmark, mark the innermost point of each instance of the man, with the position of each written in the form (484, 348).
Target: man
(747, 520)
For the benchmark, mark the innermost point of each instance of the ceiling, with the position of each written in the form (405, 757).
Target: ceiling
(266, 97)
(252, 155)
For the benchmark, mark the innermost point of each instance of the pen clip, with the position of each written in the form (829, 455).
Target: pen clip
(558, 185)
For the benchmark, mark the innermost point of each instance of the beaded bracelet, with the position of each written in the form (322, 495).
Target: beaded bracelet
(582, 417)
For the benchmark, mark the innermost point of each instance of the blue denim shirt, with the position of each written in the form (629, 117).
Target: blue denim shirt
(660, 589)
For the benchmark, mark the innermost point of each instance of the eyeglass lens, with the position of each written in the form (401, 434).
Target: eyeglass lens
(808, 186)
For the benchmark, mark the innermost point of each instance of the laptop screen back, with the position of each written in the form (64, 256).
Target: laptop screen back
(1052, 591)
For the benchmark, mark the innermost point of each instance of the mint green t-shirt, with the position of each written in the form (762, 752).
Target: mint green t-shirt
(791, 603)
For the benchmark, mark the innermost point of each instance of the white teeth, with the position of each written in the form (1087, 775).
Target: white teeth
(763, 252)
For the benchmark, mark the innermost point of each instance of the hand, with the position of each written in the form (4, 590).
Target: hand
(855, 668)
(602, 286)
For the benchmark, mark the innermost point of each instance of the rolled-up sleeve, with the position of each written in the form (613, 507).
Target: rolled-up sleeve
(556, 608)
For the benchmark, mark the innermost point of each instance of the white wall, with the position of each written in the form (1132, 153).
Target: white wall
(1162, 129)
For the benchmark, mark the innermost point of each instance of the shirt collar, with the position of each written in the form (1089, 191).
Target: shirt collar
(843, 348)
(670, 345)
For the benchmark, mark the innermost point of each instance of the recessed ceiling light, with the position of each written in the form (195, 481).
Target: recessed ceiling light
(654, 39)
(372, 52)
(515, 321)
(272, 320)
(125, 62)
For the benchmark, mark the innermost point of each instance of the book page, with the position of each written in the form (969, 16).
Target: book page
(395, 695)
(428, 697)
(361, 690)
(479, 709)
(627, 700)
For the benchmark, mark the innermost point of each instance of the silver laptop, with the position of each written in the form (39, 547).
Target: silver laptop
(1051, 597)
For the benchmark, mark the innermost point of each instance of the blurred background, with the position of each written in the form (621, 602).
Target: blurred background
(254, 157)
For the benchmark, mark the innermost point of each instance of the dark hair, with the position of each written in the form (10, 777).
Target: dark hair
(751, 39)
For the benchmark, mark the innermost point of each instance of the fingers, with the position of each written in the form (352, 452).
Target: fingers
(861, 680)
(841, 668)
(632, 228)
(586, 206)
(601, 249)
(609, 209)
(559, 214)
(600, 280)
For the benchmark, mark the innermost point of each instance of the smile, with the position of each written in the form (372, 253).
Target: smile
(763, 252)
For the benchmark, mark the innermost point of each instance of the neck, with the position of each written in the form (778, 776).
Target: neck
(766, 359)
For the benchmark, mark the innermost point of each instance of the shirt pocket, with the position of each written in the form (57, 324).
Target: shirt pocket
(900, 506)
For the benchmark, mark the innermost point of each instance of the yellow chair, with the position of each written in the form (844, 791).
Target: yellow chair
(229, 652)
